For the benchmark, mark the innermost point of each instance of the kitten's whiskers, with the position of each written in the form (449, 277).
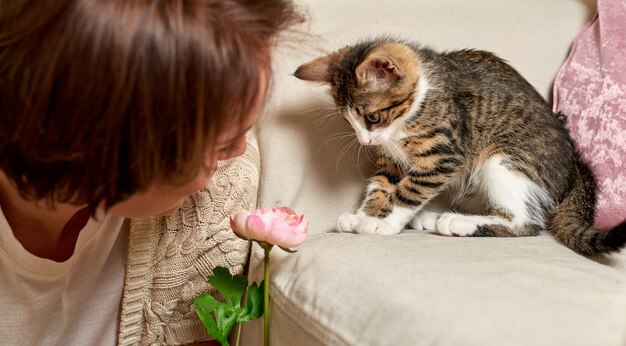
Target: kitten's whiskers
(397, 155)
(354, 141)
(338, 138)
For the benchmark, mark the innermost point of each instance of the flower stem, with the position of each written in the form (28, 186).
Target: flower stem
(266, 296)
(238, 333)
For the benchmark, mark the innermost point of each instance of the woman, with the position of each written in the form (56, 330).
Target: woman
(112, 113)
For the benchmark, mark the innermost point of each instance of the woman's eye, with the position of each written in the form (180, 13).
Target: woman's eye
(373, 118)
(226, 150)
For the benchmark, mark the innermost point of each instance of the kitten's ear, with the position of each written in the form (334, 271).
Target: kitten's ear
(321, 69)
(377, 73)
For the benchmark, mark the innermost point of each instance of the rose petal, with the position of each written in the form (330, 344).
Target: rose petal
(303, 227)
(285, 235)
(280, 226)
(289, 240)
(238, 224)
(257, 228)
(286, 210)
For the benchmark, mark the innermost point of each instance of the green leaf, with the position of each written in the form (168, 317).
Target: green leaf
(218, 317)
(231, 287)
(254, 304)
(225, 322)
(205, 306)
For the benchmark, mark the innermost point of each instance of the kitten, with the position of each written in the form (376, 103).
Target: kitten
(465, 146)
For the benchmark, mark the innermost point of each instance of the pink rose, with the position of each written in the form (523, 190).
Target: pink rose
(278, 226)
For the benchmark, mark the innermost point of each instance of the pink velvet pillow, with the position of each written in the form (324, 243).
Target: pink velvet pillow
(590, 90)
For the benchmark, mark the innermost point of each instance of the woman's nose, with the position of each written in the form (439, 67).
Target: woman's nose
(236, 149)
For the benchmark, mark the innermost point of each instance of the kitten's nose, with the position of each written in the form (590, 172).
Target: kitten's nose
(366, 138)
(365, 142)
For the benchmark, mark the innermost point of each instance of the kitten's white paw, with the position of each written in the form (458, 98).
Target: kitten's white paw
(374, 225)
(452, 224)
(348, 223)
(361, 223)
(425, 221)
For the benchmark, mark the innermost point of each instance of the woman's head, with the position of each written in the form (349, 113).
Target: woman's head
(102, 99)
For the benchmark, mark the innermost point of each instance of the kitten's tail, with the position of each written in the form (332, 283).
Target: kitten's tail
(573, 222)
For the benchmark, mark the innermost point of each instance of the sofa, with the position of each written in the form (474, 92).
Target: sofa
(417, 288)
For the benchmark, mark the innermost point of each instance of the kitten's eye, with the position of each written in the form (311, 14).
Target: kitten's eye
(373, 118)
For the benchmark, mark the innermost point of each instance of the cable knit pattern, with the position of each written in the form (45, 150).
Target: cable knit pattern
(590, 90)
(170, 257)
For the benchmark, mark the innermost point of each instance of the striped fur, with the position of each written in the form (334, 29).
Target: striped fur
(454, 131)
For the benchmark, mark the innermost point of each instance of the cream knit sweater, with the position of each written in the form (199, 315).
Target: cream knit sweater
(170, 257)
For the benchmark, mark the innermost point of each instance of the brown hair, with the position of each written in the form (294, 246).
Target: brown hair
(101, 98)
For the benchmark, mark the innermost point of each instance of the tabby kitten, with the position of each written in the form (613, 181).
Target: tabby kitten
(465, 146)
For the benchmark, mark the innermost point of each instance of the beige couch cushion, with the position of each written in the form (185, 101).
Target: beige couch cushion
(418, 289)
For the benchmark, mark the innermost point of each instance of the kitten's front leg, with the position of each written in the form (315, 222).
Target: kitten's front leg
(371, 218)
(375, 206)
(377, 214)
(389, 207)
